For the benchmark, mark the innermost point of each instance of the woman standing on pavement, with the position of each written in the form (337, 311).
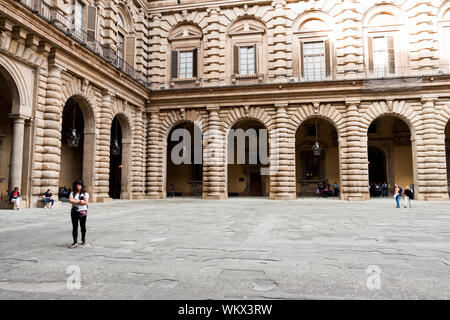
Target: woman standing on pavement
(79, 198)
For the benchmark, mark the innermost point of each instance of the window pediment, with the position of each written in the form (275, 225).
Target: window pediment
(185, 34)
(246, 29)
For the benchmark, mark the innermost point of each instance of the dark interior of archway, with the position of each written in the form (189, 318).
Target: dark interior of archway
(390, 152)
(71, 157)
(313, 171)
(187, 179)
(115, 162)
(246, 179)
(377, 166)
(5, 135)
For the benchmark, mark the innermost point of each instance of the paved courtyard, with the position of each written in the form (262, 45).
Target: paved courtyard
(246, 248)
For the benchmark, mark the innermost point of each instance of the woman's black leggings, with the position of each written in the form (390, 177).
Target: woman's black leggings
(75, 218)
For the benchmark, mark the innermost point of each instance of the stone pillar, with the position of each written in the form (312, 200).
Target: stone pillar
(429, 155)
(15, 170)
(155, 161)
(282, 158)
(103, 147)
(354, 165)
(214, 158)
(138, 169)
(52, 130)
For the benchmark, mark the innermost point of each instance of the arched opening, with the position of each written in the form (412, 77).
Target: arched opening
(115, 160)
(447, 153)
(120, 158)
(377, 165)
(317, 169)
(5, 136)
(184, 160)
(390, 154)
(248, 159)
(77, 144)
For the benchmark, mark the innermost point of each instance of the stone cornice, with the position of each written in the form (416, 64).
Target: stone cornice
(269, 94)
(205, 5)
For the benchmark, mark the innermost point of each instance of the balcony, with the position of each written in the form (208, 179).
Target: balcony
(377, 78)
(60, 22)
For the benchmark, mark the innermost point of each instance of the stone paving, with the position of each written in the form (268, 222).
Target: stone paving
(248, 248)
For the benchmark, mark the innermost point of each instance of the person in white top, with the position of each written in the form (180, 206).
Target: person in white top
(79, 198)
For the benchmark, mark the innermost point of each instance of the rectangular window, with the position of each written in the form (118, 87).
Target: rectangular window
(247, 60)
(380, 56)
(120, 48)
(78, 16)
(186, 64)
(314, 61)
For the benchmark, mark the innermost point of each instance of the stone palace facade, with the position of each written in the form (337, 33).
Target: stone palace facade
(92, 89)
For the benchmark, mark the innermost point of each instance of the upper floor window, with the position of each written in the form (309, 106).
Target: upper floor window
(383, 32)
(246, 60)
(78, 16)
(314, 61)
(186, 64)
(126, 41)
(444, 35)
(247, 47)
(185, 44)
(313, 47)
(381, 55)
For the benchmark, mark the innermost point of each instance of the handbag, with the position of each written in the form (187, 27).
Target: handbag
(395, 195)
(82, 213)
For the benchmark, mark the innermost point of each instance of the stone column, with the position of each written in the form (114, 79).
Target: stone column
(282, 158)
(214, 159)
(429, 156)
(138, 169)
(52, 130)
(155, 161)
(354, 165)
(103, 147)
(15, 170)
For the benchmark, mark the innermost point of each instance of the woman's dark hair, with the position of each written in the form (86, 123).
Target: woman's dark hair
(74, 189)
(16, 188)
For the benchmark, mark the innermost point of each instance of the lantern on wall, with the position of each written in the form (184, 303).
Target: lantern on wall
(73, 137)
(316, 147)
(115, 147)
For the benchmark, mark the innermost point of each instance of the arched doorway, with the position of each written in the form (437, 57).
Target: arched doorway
(115, 163)
(15, 134)
(184, 169)
(77, 144)
(390, 153)
(248, 159)
(120, 149)
(377, 165)
(316, 167)
(5, 136)
(447, 153)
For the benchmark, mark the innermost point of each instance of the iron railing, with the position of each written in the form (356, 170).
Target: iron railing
(376, 74)
(62, 23)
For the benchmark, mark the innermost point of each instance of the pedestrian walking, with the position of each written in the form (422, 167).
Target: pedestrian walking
(79, 198)
(409, 195)
(15, 198)
(398, 194)
(48, 198)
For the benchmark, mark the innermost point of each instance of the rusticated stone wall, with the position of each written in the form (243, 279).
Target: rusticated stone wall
(350, 117)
